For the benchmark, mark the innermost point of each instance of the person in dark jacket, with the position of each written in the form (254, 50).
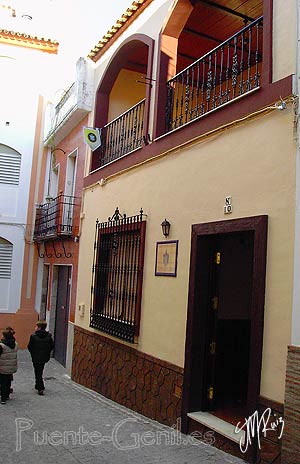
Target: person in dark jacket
(8, 363)
(40, 346)
(12, 332)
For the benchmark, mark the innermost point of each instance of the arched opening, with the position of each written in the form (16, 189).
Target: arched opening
(211, 54)
(122, 101)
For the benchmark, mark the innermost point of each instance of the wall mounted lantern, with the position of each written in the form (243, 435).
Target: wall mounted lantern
(165, 225)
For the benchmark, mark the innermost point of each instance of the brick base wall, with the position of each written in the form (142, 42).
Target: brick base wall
(291, 435)
(153, 388)
(138, 381)
(270, 445)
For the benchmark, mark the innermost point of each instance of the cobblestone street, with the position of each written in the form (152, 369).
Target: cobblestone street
(71, 424)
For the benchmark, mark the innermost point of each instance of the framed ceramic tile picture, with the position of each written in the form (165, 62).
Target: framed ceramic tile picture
(166, 258)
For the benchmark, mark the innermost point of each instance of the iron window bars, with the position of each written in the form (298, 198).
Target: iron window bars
(229, 71)
(117, 275)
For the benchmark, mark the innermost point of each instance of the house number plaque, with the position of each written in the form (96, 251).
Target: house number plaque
(228, 205)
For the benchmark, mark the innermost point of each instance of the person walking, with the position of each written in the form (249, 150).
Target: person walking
(12, 331)
(8, 363)
(40, 346)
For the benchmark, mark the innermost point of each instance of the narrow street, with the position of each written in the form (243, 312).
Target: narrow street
(71, 424)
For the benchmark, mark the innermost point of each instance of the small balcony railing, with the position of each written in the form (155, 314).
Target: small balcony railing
(66, 102)
(61, 110)
(56, 218)
(230, 70)
(122, 135)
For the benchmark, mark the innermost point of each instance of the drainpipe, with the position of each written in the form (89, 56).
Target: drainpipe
(295, 329)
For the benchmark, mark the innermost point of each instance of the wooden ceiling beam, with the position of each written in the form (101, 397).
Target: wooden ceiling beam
(226, 10)
(201, 34)
(188, 57)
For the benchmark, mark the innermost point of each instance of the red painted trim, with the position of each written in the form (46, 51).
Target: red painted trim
(161, 93)
(267, 63)
(248, 104)
(116, 63)
(140, 279)
(148, 89)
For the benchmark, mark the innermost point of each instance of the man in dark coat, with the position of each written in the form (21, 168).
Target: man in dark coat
(40, 346)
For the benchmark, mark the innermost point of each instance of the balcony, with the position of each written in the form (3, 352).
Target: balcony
(75, 103)
(56, 218)
(122, 135)
(229, 71)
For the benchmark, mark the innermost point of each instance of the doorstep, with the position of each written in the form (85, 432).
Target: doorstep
(218, 425)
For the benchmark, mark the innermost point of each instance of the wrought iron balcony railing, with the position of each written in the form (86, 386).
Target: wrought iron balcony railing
(66, 103)
(230, 70)
(122, 135)
(56, 218)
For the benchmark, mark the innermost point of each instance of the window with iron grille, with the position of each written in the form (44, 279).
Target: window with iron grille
(117, 275)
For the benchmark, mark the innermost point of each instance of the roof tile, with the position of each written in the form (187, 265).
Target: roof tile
(121, 24)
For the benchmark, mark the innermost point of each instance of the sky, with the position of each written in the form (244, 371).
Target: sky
(78, 22)
(77, 25)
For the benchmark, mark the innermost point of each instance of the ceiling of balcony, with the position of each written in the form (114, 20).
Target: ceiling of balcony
(211, 23)
(137, 59)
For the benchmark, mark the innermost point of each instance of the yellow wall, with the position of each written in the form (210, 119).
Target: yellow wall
(125, 93)
(254, 163)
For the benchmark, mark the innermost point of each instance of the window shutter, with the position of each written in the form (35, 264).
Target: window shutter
(6, 252)
(10, 165)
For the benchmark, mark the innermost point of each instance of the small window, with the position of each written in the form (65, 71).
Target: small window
(6, 252)
(117, 276)
(10, 166)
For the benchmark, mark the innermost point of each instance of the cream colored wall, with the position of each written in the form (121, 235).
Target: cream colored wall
(125, 93)
(254, 163)
(284, 38)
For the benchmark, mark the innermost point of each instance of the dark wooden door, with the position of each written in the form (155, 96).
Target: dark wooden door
(212, 321)
(229, 328)
(62, 313)
(240, 288)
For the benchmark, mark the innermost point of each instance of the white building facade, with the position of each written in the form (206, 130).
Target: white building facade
(25, 67)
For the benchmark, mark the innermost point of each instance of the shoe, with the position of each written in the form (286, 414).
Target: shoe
(41, 392)
(3, 402)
